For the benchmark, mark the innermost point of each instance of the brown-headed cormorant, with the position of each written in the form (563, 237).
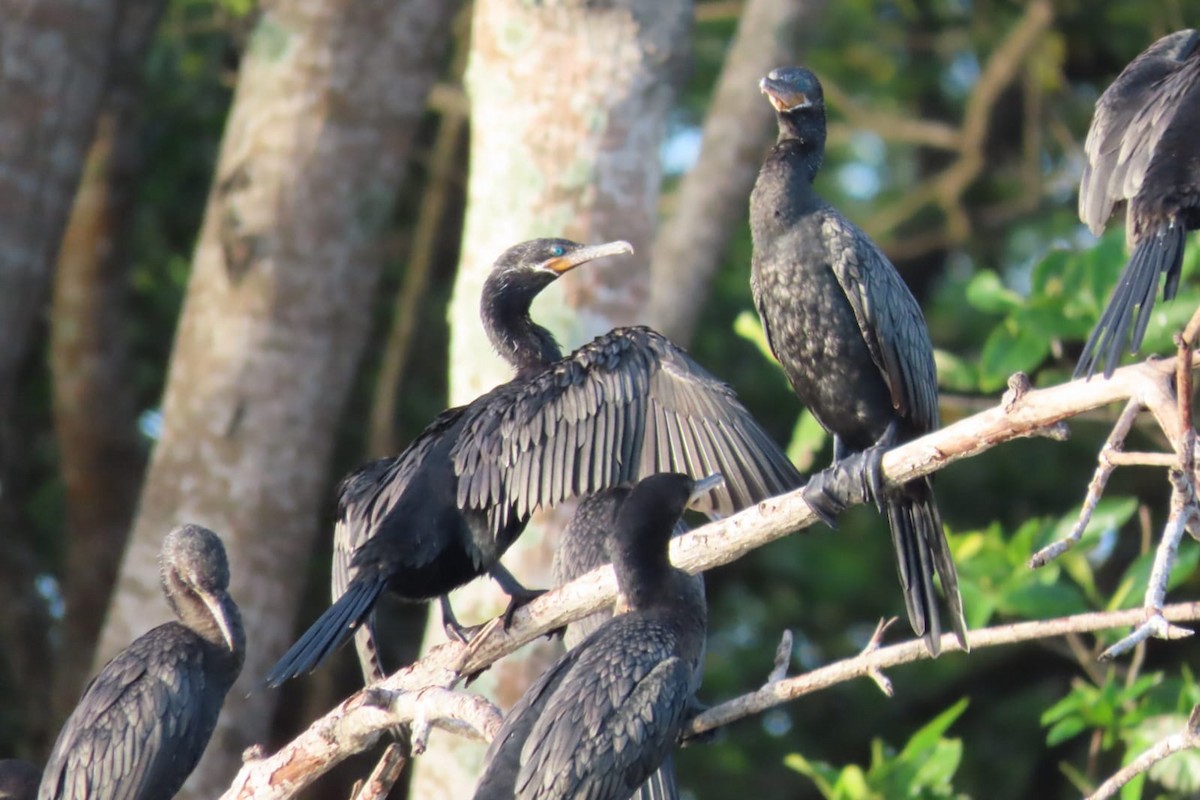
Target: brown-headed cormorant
(145, 719)
(628, 404)
(1142, 148)
(849, 335)
(582, 548)
(606, 715)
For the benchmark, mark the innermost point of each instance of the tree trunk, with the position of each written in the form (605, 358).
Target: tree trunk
(53, 62)
(714, 194)
(95, 407)
(564, 142)
(275, 318)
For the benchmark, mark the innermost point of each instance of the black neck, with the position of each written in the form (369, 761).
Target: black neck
(802, 137)
(517, 338)
(643, 571)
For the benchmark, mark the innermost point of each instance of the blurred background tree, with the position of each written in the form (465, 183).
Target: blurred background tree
(956, 141)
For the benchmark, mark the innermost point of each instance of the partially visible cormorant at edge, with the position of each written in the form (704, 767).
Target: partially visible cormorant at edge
(145, 719)
(582, 547)
(1142, 148)
(603, 718)
(18, 779)
(849, 336)
(628, 404)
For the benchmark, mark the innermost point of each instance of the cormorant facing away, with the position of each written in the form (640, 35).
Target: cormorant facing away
(849, 335)
(1142, 148)
(18, 779)
(603, 718)
(582, 548)
(145, 719)
(628, 404)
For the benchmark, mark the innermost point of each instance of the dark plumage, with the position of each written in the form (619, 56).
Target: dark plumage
(1142, 148)
(603, 718)
(629, 403)
(582, 548)
(18, 779)
(145, 719)
(849, 335)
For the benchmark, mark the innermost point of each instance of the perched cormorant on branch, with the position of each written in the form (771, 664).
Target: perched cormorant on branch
(628, 404)
(582, 548)
(849, 335)
(602, 719)
(145, 719)
(1143, 148)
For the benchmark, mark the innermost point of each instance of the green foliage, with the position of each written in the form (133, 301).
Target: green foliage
(923, 768)
(1068, 290)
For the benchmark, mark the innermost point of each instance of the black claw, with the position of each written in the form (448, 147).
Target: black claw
(518, 599)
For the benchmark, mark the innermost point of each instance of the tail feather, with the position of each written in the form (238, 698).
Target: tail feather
(661, 784)
(329, 632)
(1133, 299)
(922, 550)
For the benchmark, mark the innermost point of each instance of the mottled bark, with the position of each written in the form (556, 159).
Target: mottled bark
(568, 108)
(275, 318)
(713, 195)
(95, 407)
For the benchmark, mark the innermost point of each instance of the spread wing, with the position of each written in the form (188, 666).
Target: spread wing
(1129, 123)
(890, 320)
(626, 405)
(612, 721)
(138, 730)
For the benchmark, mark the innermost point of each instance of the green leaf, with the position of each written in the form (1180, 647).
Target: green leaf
(1041, 601)
(1065, 729)
(1010, 348)
(808, 437)
(747, 326)
(929, 735)
(1137, 577)
(820, 773)
(987, 293)
(955, 374)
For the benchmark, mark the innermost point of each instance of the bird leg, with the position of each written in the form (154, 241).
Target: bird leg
(517, 593)
(850, 480)
(455, 630)
(874, 465)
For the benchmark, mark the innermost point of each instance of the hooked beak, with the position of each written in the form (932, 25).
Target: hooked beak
(783, 98)
(218, 612)
(703, 486)
(585, 254)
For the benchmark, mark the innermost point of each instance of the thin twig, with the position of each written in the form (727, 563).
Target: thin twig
(886, 657)
(384, 776)
(1186, 739)
(1112, 446)
(783, 657)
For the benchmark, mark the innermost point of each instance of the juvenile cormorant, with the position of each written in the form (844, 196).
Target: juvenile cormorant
(606, 715)
(145, 719)
(628, 404)
(849, 335)
(1142, 148)
(582, 548)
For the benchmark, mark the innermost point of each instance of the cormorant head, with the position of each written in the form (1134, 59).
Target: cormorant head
(527, 268)
(517, 277)
(647, 518)
(194, 567)
(795, 94)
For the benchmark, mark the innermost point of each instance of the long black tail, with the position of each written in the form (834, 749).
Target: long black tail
(661, 785)
(1157, 254)
(330, 631)
(921, 548)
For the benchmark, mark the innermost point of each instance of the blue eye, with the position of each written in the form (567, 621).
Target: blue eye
(557, 250)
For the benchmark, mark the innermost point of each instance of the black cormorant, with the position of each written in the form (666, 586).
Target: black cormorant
(145, 719)
(628, 404)
(18, 779)
(582, 548)
(849, 335)
(1142, 148)
(603, 718)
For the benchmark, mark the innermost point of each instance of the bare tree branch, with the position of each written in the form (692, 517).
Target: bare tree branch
(1186, 739)
(384, 776)
(874, 661)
